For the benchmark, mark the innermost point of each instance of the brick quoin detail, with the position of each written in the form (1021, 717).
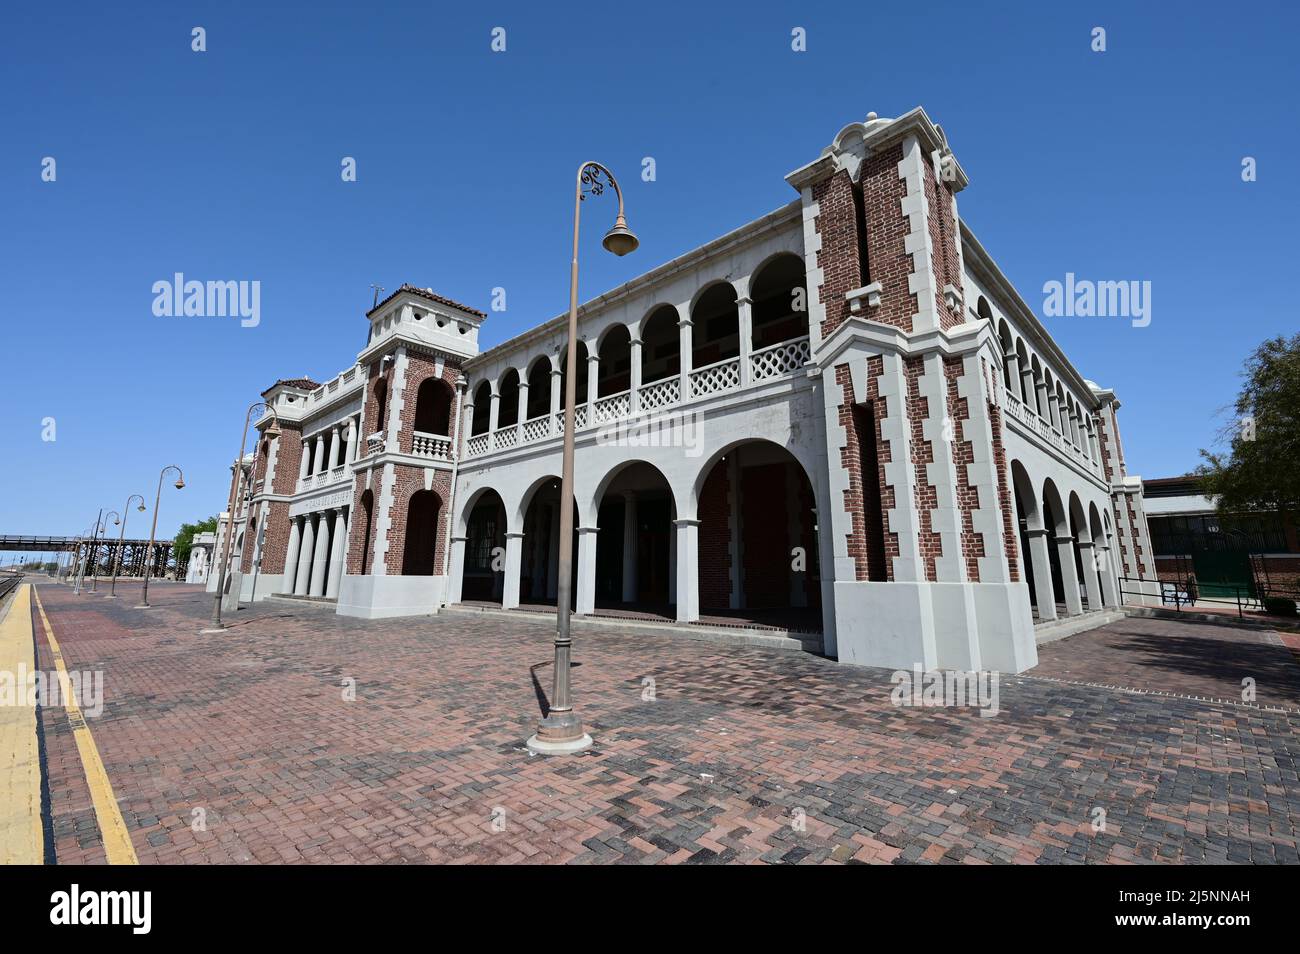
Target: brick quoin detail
(943, 243)
(714, 538)
(926, 496)
(963, 453)
(887, 229)
(1133, 529)
(851, 461)
(275, 547)
(419, 368)
(836, 223)
(1105, 448)
(1010, 541)
(409, 481)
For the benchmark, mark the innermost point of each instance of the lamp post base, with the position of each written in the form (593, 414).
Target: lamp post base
(214, 629)
(539, 746)
(143, 606)
(560, 733)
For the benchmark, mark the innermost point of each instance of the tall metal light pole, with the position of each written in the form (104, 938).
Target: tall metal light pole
(117, 563)
(148, 553)
(272, 431)
(117, 518)
(561, 731)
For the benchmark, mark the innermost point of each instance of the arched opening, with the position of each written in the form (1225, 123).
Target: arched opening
(635, 544)
(508, 403)
(1025, 384)
(759, 556)
(1036, 401)
(540, 557)
(1058, 528)
(1008, 355)
(539, 388)
(716, 326)
(1028, 518)
(381, 404)
(615, 367)
(433, 407)
(485, 548)
(367, 515)
(482, 409)
(420, 552)
(661, 353)
(780, 302)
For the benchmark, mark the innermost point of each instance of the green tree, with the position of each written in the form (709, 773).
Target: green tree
(185, 539)
(1260, 471)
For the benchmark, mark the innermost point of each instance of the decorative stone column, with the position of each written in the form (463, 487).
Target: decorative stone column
(510, 583)
(336, 446)
(586, 570)
(521, 414)
(304, 463)
(318, 453)
(629, 548)
(1044, 408)
(457, 569)
(1069, 575)
(744, 310)
(302, 579)
(688, 577)
(1091, 582)
(321, 554)
(634, 385)
(557, 401)
(1042, 563)
(686, 347)
(493, 416)
(593, 378)
(1027, 387)
(1106, 570)
(338, 553)
(1013, 374)
(291, 557)
(352, 440)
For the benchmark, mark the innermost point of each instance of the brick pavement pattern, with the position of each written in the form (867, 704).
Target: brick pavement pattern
(737, 745)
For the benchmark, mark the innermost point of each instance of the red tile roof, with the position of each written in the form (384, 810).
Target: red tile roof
(430, 296)
(300, 384)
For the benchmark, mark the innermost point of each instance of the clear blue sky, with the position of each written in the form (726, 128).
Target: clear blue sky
(225, 165)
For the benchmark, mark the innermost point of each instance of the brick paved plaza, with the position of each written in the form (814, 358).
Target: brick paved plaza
(736, 748)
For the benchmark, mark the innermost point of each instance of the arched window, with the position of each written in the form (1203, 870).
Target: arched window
(381, 404)
(780, 302)
(482, 409)
(508, 404)
(661, 355)
(614, 373)
(716, 322)
(367, 512)
(539, 388)
(433, 407)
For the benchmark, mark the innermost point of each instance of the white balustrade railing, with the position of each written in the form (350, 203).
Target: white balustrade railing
(435, 446)
(476, 445)
(611, 408)
(375, 443)
(507, 436)
(778, 359)
(660, 394)
(715, 378)
(536, 429)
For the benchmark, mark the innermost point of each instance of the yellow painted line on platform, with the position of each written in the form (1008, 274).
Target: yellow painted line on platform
(112, 828)
(22, 840)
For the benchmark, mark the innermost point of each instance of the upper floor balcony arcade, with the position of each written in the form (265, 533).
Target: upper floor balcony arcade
(716, 321)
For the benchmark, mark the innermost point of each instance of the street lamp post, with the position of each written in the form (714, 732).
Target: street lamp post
(561, 731)
(148, 553)
(272, 431)
(85, 557)
(94, 552)
(117, 519)
(117, 563)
